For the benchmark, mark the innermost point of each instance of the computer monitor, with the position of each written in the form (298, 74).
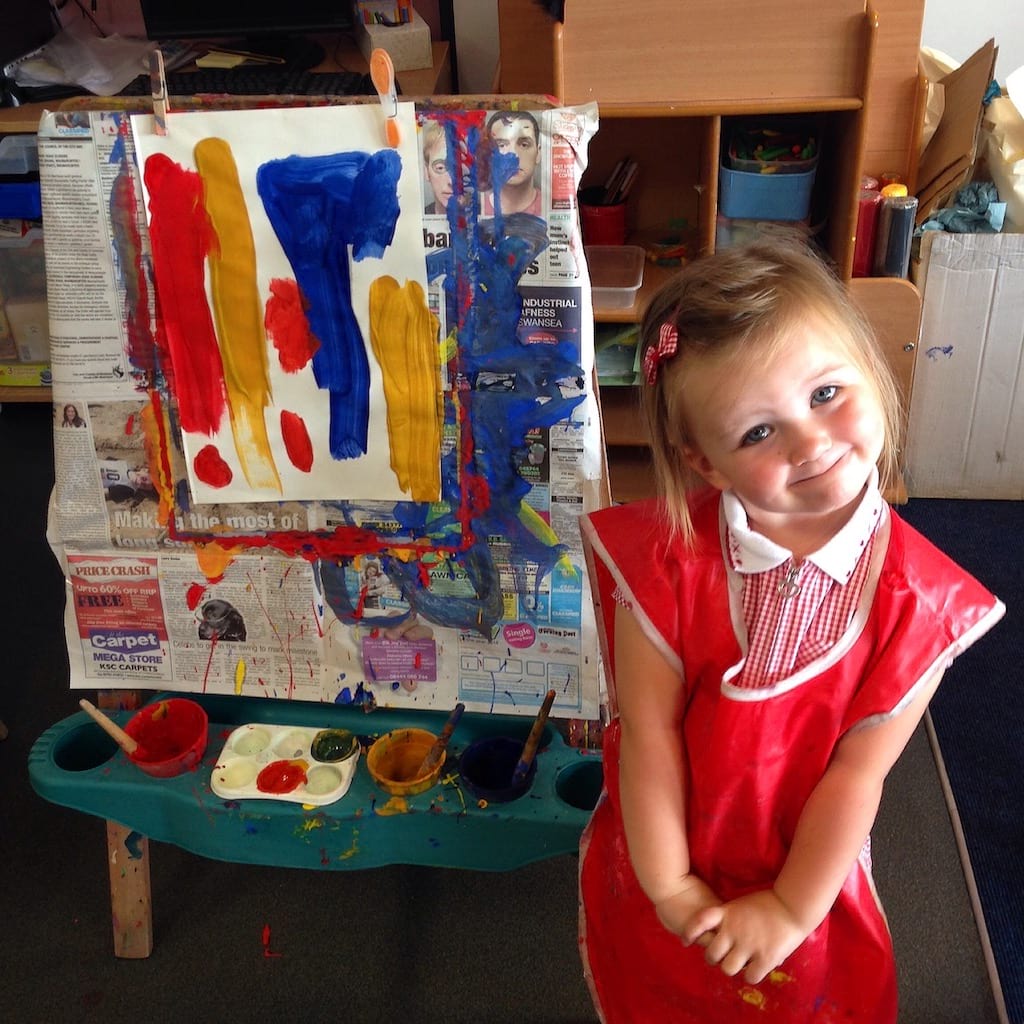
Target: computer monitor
(211, 19)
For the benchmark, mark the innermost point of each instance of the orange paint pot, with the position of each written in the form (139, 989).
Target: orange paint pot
(394, 762)
(171, 736)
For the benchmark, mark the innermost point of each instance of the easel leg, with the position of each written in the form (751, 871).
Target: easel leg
(130, 903)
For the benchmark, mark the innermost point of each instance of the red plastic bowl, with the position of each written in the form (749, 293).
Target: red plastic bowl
(172, 737)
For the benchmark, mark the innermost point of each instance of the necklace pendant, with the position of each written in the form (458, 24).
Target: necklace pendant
(788, 586)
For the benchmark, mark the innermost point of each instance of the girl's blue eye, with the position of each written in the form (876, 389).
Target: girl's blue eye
(758, 433)
(824, 394)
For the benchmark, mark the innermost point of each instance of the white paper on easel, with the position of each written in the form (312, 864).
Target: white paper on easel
(299, 138)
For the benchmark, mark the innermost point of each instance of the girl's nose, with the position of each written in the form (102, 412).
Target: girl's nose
(807, 444)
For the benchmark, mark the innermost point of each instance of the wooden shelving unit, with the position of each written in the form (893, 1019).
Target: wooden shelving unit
(669, 86)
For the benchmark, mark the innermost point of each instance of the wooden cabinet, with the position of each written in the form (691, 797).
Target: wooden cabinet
(670, 81)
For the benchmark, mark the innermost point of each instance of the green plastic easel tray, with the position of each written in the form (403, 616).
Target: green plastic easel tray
(75, 764)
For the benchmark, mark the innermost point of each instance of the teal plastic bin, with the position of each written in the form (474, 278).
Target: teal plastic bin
(752, 196)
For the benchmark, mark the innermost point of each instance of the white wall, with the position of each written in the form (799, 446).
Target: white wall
(959, 28)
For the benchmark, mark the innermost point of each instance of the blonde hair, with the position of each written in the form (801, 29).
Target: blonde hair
(433, 134)
(746, 301)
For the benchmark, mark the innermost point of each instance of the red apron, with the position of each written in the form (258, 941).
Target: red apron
(752, 759)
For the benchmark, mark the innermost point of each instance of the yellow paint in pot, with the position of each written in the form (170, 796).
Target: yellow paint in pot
(395, 758)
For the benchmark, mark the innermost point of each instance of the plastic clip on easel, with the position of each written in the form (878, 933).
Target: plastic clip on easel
(382, 72)
(158, 87)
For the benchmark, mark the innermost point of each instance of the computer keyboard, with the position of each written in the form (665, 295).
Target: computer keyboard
(265, 80)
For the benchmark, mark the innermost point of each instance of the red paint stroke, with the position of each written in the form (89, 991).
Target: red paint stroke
(296, 440)
(285, 642)
(129, 425)
(182, 235)
(281, 777)
(209, 661)
(211, 468)
(287, 327)
(194, 596)
(125, 220)
(265, 942)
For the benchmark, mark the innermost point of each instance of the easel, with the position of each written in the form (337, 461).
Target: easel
(520, 836)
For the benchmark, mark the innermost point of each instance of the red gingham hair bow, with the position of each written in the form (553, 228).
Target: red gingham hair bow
(668, 342)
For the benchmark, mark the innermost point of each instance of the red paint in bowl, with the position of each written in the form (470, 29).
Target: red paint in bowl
(172, 737)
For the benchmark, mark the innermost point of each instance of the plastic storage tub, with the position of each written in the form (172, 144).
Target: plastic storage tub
(616, 273)
(756, 196)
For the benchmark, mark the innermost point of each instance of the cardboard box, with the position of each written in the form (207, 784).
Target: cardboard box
(407, 45)
(966, 432)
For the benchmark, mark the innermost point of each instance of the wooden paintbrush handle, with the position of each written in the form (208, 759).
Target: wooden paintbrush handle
(429, 763)
(111, 728)
(530, 747)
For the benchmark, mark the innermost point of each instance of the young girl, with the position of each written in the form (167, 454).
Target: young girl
(774, 633)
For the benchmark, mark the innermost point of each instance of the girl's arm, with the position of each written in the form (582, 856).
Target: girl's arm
(649, 695)
(759, 931)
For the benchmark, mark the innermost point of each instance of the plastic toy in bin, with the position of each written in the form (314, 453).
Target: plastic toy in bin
(772, 151)
(767, 174)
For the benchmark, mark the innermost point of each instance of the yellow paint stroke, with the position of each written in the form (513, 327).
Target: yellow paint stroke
(780, 977)
(753, 997)
(213, 560)
(239, 676)
(238, 311)
(353, 849)
(540, 529)
(396, 805)
(403, 336)
(152, 436)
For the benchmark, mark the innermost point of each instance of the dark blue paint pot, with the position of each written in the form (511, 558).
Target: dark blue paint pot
(487, 766)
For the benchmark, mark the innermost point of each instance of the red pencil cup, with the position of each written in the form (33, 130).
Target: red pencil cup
(601, 224)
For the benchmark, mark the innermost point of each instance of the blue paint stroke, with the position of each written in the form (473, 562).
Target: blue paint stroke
(361, 698)
(133, 844)
(935, 351)
(507, 389)
(318, 207)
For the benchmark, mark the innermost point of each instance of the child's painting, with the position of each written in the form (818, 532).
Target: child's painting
(290, 269)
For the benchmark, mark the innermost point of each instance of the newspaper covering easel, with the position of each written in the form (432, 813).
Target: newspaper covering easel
(477, 594)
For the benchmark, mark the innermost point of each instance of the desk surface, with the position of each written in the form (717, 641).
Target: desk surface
(341, 54)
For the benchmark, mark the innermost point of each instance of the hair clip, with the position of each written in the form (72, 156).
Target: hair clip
(668, 342)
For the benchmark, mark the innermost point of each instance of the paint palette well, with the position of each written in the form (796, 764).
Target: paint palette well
(285, 762)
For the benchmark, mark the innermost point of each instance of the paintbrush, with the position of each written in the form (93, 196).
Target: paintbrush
(111, 728)
(436, 752)
(530, 747)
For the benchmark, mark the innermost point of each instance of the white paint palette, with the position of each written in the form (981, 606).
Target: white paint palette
(302, 764)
